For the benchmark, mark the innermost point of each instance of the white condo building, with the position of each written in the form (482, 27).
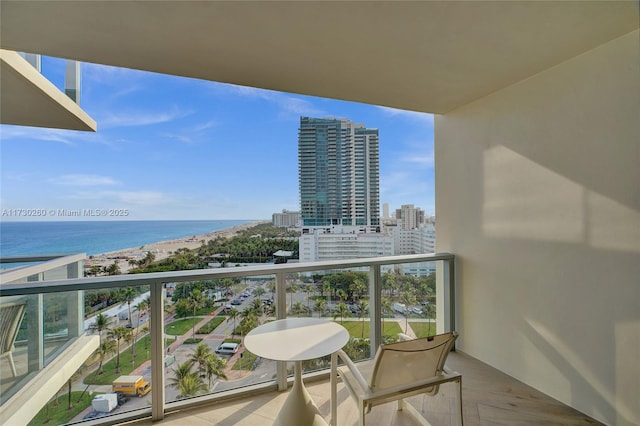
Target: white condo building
(342, 242)
(286, 219)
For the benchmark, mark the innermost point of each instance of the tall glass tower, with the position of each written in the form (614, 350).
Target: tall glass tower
(338, 172)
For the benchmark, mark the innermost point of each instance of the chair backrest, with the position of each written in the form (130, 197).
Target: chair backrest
(10, 317)
(410, 361)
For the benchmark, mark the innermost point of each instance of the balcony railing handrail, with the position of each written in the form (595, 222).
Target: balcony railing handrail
(151, 278)
(49, 262)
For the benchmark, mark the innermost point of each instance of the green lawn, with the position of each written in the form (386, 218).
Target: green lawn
(180, 327)
(126, 366)
(355, 328)
(246, 362)
(211, 325)
(422, 328)
(56, 412)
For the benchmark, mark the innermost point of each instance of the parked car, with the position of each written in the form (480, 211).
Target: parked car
(236, 302)
(416, 310)
(227, 348)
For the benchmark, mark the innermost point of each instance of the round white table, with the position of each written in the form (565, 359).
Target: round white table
(297, 339)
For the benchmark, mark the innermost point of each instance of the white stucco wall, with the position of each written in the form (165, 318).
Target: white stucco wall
(538, 194)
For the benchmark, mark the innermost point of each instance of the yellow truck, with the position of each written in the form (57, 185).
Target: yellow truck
(131, 385)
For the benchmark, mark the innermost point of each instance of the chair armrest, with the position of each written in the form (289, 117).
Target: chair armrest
(432, 381)
(354, 370)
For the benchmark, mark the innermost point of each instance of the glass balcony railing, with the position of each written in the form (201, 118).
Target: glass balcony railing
(182, 332)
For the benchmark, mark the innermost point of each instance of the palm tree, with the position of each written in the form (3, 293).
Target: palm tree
(326, 287)
(298, 309)
(429, 311)
(196, 299)
(233, 315)
(214, 366)
(385, 306)
(362, 307)
(258, 292)
(117, 334)
(140, 307)
(128, 295)
(191, 385)
(342, 311)
(102, 323)
(292, 288)
(320, 307)
(180, 372)
(107, 347)
(408, 298)
(200, 355)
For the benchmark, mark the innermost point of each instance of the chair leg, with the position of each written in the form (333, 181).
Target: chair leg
(460, 417)
(334, 390)
(362, 413)
(400, 404)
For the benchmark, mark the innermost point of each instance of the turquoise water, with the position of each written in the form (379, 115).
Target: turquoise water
(42, 238)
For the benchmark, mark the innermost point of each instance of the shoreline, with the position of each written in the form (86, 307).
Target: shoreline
(161, 249)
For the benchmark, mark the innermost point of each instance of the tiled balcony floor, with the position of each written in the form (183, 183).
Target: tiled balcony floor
(489, 398)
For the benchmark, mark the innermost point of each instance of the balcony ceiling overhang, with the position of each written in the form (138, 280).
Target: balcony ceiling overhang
(431, 56)
(27, 98)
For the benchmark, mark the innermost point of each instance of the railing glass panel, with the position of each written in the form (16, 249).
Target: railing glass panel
(171, 318)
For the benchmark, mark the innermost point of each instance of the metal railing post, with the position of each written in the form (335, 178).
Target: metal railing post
(375, 307)
(281, 313)
(157, 351)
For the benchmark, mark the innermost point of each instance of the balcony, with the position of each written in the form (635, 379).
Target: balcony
(251, 394)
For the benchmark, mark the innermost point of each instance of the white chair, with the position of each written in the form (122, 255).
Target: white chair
(10, 318)
(399, 370)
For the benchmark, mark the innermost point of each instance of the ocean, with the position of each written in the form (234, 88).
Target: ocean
(95, 237)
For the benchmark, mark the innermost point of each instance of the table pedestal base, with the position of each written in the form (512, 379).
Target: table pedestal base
(299, 409)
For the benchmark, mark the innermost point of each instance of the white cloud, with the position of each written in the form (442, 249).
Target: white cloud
(138, 118)
(412, 115)
(423, 161)
(54, 135)
(129, 198)
(288, 103)
(84, 180)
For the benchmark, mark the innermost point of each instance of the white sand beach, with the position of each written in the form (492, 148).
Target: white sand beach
(161, 249)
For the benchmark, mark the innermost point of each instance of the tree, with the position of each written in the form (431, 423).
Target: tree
(214, 367)
(112, 269)
(233, 315)
(140, 307)
(179, 373)
(408, 298)
(342, 311)
(362, 307)
(102, 323)
(298, 309)
(117, 334)
(358, 288)
(191, 385)
(430, 312)
(128, 295)
(200, 355)
(320, 307)
(258, 292)
(107, 347)
(292, 288)
(196, 299)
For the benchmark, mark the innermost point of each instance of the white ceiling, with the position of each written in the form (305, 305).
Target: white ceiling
(431, 56)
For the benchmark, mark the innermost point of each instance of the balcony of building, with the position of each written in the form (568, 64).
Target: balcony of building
(252, 395)
(536, 147)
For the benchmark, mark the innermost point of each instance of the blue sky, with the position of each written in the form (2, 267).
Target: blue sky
(176, 148)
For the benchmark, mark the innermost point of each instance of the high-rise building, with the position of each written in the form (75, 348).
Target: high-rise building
(409, 216)
(339, 174)
(286, 219)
